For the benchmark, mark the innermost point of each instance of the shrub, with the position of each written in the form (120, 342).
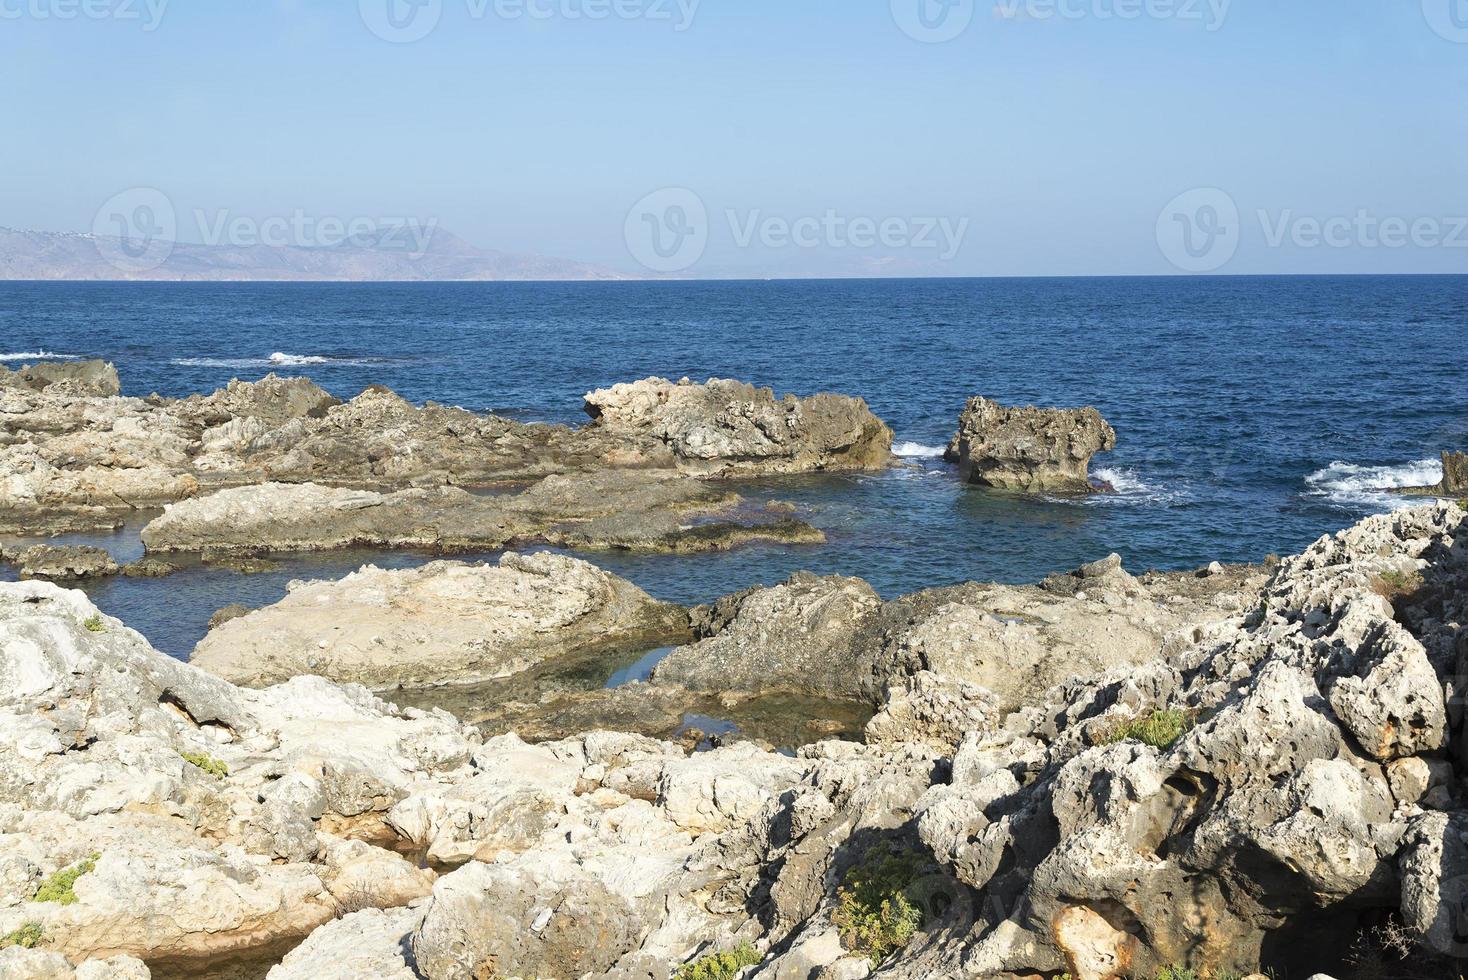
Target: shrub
(60, 887)
(1159, 730)
(874, 913)
(720, 966)
(1394, 583)
(1176, 973)
(206, 762)
(94, 624)
(28, 936)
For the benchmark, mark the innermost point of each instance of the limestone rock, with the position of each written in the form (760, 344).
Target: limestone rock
(64, 563)
(1030, 450)
(444, 623)
(727, 428)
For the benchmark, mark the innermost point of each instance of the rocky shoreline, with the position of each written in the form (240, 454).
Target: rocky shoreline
(428, 773)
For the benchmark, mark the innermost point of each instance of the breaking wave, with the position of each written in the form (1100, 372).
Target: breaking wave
(1354, 487)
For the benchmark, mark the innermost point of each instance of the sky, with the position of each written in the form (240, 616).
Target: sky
(763, 137)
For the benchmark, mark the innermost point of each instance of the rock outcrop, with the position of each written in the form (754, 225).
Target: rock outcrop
(62, 563)
(1279, 787)
(630, 510)
(728, 428)
(74, 454)
(1028, 450)
(445, 623)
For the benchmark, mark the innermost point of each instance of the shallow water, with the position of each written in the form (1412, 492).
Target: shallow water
(1254, 414)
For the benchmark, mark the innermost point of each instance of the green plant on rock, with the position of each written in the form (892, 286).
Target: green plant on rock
(1176, 973)
(60, 887)
(720, 966)
(207, 763)
(874, 912)
(1159, 730)
(28, 936)
(94, 624)
(1395, 582)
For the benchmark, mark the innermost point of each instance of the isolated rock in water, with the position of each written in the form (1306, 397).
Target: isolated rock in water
(633, 510)
(728, 428)
(1030, 450)
(64, 563)
(79, 377)
(445, 623)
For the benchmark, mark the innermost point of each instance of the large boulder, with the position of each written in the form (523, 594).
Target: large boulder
(63, 563)
(728, 428)
(1029, 450)
(444, 623)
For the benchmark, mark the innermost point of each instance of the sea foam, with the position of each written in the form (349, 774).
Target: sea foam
(1354, 487)
(38, 355)
(916, 450)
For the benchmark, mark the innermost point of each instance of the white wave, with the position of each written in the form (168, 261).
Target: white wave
(1354, 487)
(916, 450)
(277, 359)
(39, 355)
(1125, 482)
(296, 360)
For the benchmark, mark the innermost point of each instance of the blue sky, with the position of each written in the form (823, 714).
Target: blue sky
(1056, 137)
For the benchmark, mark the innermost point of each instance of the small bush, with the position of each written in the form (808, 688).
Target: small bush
(874, 913)
(28, 936)
(1176, 973)
(1394, 583)
(209, 764)
(94, 624)
(1159, 730)
(60, 887)
(720, 966)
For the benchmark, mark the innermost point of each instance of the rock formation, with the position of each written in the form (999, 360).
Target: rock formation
(1028, 450)
(632, 510)
(62, 563)
(444, 623)
(727, 428)
(1277, 786)
(74, 454)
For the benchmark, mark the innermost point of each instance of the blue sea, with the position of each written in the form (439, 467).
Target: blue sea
(1253, 414)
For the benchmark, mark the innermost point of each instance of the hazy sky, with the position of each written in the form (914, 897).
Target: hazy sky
(804, 136)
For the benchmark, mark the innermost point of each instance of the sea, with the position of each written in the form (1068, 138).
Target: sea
(1253, 415)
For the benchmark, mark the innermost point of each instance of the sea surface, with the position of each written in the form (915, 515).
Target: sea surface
(1253, 414)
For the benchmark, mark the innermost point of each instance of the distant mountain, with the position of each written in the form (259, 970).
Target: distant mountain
(387, 257)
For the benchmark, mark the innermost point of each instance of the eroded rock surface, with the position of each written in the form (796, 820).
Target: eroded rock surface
(62, 563)
(728, 428)
(1029, 450)
(76, 455)
(444, 623)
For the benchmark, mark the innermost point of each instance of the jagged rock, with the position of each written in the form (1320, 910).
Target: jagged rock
(1030, 450)
(64, 563)
(727, 428)
(798, 636)
(444, 623)
(366, 944)
(626, 510)
(17, 963)
(78, 377)
(74, 454)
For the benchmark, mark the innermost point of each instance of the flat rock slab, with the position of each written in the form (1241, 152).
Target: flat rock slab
(444, 624)
(634, 510)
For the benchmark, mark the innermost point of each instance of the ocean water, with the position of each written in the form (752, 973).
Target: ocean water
(1253, 414)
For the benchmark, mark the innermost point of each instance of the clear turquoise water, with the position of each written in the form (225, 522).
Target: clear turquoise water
(1254, 414)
